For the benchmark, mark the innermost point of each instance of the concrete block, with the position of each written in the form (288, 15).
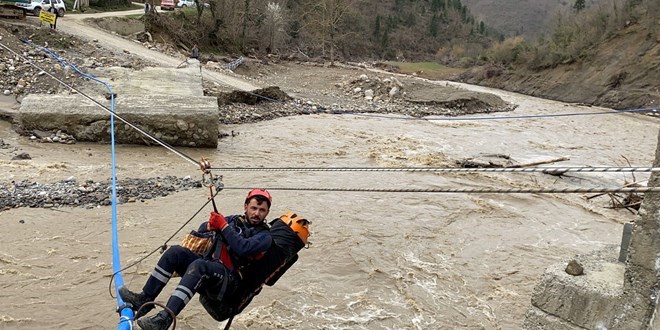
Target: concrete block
(589, 301)
(178, 120)
(538, 320)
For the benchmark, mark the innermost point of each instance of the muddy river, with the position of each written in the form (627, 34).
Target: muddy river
(378, 260)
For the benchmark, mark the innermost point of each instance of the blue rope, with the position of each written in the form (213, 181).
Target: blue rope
(126, 313)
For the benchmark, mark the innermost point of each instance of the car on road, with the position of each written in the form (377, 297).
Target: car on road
(35, 6)
(186, 3)
(167, 5)
(189, 3)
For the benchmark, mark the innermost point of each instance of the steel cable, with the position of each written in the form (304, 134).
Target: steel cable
(469, 190)
(551, 170)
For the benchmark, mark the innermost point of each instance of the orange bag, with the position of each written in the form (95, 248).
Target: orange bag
(197, 242)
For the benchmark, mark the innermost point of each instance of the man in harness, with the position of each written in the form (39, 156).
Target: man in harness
(290, 233)
(238, 240)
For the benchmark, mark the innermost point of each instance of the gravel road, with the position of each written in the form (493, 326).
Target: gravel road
(75, 25)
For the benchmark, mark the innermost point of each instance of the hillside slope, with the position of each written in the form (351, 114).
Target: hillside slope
(528, 18)
(514, 17)
(622, 74)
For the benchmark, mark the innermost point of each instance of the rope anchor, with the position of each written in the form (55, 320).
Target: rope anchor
(205, 165)
(208, 179)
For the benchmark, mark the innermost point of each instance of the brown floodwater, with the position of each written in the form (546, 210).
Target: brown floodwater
(377, 261)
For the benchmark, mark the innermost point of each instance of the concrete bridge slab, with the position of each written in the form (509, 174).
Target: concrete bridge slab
(177, 120)
(167, 103)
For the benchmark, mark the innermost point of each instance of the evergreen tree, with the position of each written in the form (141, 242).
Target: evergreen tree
(410, 20)
(437, 5)
(385, 40)
(398, 6)
(579, 5)
(376, 33)
(433, 25)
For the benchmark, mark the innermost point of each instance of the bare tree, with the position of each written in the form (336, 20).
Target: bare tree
(199, 5)
(274, 25)
(323, 21)
(225, 15)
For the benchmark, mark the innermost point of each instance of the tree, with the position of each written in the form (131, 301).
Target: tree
(246, 17)
(433, 25)
(376, 33)
(274, 25)
(579, 5)
(437, 5)
(200, 10)
(324, 18)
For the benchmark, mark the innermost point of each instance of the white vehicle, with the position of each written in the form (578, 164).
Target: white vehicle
(35, 6)
(185, 3)
(189, 3)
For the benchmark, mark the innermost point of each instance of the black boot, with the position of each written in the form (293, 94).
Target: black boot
(160, 321)
(136, 300)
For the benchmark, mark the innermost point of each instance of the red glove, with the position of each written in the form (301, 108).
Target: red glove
(217, 221)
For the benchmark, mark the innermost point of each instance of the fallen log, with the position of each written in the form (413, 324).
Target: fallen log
(541, 162)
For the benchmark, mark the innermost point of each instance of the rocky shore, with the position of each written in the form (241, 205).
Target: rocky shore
(19, 78)
(89, 194)
(360, 93)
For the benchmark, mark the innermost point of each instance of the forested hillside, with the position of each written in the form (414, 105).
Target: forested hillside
(344, 29)
(529, 18)
(603, 54)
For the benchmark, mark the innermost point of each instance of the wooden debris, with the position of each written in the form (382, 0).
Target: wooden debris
(541, 162)
(502, 161)
(485, 161)
(630, 201)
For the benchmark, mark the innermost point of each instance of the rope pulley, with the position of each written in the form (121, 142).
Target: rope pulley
(205, 165)
(208, 179)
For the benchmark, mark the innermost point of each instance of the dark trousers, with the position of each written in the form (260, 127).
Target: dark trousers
(198, 275)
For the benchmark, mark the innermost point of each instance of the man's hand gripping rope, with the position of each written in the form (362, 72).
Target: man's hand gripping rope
(217, 220)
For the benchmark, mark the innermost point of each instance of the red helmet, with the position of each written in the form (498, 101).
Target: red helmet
(259, 192)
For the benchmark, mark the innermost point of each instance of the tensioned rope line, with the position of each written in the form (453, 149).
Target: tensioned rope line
(468, 190)
(438, 169)
(147, 134)
(125, 313)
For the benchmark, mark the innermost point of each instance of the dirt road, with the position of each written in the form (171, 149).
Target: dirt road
(75, 25)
